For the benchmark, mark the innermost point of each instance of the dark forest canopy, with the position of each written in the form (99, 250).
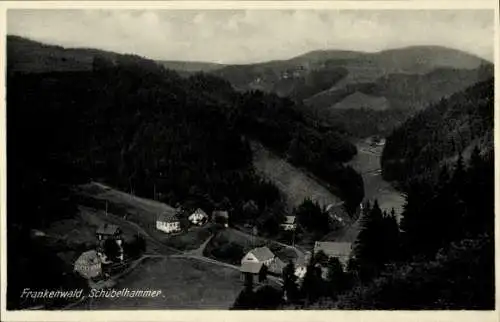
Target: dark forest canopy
(142, 128)
(441, 132)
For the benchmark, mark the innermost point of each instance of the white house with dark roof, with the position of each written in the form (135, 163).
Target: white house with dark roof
(259, 255)
(168, 222)
(198, 217)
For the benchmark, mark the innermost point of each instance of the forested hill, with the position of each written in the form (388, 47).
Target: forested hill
(440, 133)
(133, 124)
(368, 93)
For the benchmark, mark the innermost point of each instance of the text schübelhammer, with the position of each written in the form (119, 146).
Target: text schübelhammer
(94, 293)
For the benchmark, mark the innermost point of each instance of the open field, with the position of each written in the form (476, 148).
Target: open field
(184, 284)
(295, 184)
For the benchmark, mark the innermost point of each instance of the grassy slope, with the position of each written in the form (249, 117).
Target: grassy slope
(143, 212)
(294, 183)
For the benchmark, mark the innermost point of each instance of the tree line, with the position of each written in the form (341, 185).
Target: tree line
(439, 256)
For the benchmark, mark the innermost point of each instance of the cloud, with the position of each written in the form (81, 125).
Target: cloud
(254, 35)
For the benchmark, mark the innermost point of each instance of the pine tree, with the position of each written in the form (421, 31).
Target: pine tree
(336, 279)
(368, 251)
(312, 284)
(390, 237)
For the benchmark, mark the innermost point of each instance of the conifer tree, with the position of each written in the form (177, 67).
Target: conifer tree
(336, 279)
(369, 242)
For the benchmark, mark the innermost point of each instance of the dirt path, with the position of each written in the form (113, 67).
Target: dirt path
(199, 251)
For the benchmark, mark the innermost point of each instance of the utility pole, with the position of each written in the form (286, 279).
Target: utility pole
(154, 191)
(106, 208)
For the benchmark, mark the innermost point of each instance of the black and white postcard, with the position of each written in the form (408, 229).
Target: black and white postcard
(198, 160)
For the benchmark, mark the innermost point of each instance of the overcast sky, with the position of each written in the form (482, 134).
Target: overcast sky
(243, 36)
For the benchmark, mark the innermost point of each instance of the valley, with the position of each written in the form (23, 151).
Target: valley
(279, 155)
(367, 163)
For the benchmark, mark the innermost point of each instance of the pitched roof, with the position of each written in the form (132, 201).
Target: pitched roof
(262, 253)
(199, 211)
(250, 267)
(289, 220)
(107, 229)
(334, 249)
(88, 258)
(168, 216)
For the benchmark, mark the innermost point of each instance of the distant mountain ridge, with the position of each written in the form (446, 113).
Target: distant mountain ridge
(361, 67)
(335, 87)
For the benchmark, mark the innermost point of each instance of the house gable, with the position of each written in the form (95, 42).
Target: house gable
(250, 257)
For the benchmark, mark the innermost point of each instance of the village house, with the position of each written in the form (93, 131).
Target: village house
(253, 272)
(341, 250)
(290, 223)
(107, 231)
(221, 216)
(88, 265)
(198, 217)
(168, 222)
(259, 255)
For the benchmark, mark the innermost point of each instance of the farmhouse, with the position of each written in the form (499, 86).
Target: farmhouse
(88, 265)
(341, 250)
(220, 216)
(253, 272)
(198, 217)
(106, 231)
(290, 223)
(168, 222)
(259, 255)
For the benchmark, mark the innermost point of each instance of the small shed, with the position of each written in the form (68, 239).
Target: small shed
(290, 223)
(105, 231)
